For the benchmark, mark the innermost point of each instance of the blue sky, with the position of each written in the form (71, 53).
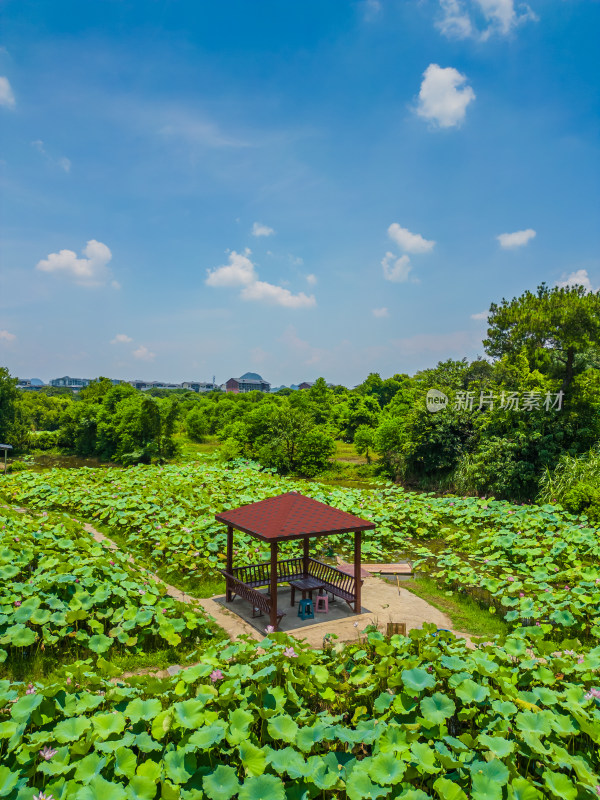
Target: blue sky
(294, 188)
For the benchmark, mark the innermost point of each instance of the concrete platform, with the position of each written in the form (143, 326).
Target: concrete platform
(291, 622)
(383, 602)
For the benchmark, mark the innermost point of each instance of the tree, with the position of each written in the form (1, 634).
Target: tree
(555, 328)
(364, 439)
(196, 424)
(9, 397)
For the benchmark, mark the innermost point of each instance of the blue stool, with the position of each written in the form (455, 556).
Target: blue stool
(306, 610)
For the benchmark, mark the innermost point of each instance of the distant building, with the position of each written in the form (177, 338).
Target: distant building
(160, 385)
(249, 382)
(71, 383)
(200, 386)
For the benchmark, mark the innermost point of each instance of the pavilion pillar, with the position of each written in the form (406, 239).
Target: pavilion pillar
(305, 556)
(273, 585)
(357, 573)
(229, 561)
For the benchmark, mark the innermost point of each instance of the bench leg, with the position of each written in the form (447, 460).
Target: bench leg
(293, 596)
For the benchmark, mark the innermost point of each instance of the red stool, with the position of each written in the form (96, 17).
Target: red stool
(322, 603)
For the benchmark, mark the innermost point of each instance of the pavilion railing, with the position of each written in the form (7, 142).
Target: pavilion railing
(261, 603)
(336, 581)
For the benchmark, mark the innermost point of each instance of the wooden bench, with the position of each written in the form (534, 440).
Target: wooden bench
(251, 576)
(260, 602)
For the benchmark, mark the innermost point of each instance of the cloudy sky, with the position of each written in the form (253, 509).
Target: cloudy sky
(309, 188)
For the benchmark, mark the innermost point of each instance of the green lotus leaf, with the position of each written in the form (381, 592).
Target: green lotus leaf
(162, 723)
(150, 769)
(437, 708)
(538, 722)
(283, 728)
(25, 706)
(563, 617)
(560, 785)
(72, 729)
(424, 755)
(485, 788)
(145, 743)
(88, 767)
(100, 643)
(360, 787)
(221, 784)
(287, 760)
(208, 735)
(417, 680)
(8, 781)
(100, 789)
(179, 765)
(126, 762)
(448, 790)
(471, 692)
(262, 787)
(143, 709)
(141, 788)
(253, 758)
(190, 713)
(385, 768)
(515, 647)
(108, 724)
(500, 747)
(521, 789)
(308, 736)
(19, 636)
(239, 723)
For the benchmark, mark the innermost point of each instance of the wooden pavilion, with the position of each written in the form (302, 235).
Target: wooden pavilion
(280, 519)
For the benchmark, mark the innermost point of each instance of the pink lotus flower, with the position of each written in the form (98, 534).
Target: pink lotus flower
(216, 675)
(30, 689)
(47, 753)
(521, 594)
(16, 538)
(42, 796)
(289, 652)
(510, 578)
(568, 588)
(17, 603)
(269, 629)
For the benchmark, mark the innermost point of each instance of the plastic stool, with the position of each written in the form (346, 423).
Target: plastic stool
(306, 610)
(322, 603)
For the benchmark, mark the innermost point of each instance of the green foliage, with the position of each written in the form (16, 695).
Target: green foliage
(364, 441)
(456, 723)
(196, 424)
(575, 484)
(555, 327)
(64, 593)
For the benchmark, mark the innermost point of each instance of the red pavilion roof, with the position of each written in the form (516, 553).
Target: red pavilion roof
(291, 516)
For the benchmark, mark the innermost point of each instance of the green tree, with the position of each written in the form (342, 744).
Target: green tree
(554, 327)
(196, 424)
(9, 399)
(364, 439)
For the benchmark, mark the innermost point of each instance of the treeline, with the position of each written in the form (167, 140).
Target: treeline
(508, 421)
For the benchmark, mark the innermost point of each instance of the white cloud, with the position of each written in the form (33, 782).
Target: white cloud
(258, 229)
(380, 312)
(444, 96)
(480, 315)
(311, 279)
(277, 295)
(517, 239)
(6, 336)
(143, 354)
(409, 242)
(7, 97)
(396, 269)
(63, 163)
(239, 272)
(371, 9)
(90, 271)
(480, 19)
(121, 338)
(578, 278)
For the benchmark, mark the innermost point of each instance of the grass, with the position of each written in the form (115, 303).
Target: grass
(466, 614)
(190, 450)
